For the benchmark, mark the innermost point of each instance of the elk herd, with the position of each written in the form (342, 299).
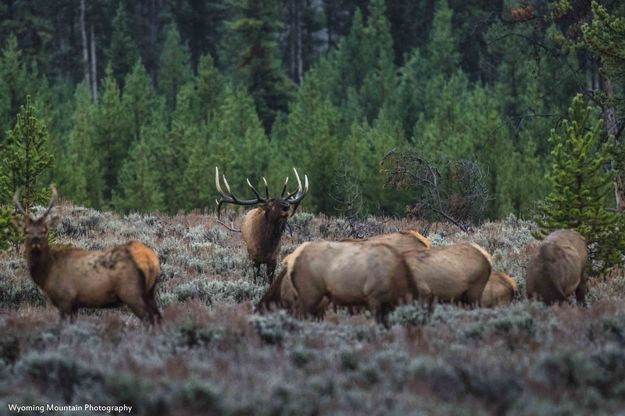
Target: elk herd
(377, 273)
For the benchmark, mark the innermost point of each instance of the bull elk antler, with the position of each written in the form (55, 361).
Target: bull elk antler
(19, 208)
(294, 198)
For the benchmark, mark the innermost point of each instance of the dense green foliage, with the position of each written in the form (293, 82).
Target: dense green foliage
(25, 161)
(581, 188)
(143, 99)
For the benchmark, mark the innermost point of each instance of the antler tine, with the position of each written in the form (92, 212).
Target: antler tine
(217, 185)
(16, 202)
(229, 198)
(296, 197)
(299, 182)
(53, 200)
(266, 188)
(227, 186)
(299, 186)
(284, 188)
(253, 189)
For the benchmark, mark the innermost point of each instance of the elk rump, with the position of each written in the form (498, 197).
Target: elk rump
(557, 269)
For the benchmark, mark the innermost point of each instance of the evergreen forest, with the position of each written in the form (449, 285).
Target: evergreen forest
(130, 105)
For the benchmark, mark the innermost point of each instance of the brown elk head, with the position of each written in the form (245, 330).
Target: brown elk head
(35, 229)
(274, 208)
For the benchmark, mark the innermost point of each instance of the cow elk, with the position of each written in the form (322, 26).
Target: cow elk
(557, 270)
(74, 278)
(346, 273)
(401, 241)
(263, 226)
(499, 291)
(455, 273)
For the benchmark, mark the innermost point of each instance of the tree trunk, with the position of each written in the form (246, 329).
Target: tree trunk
(94, 68)
(612, 128)
(85, 45)
(295, 41)
(298, 32)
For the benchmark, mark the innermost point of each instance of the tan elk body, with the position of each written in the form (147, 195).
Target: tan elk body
(262, 227)
(347, 274)
(499, 290)
(400, 241)
(557, 270)
(455, 273)
(74, 278)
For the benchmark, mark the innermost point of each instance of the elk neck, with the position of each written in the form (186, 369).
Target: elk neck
(39, 260)
(273, 230)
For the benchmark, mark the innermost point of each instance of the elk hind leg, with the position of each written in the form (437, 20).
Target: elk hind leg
(132, 293)
(154, 314)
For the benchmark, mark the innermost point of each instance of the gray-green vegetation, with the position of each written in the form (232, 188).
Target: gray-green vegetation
(214, 355)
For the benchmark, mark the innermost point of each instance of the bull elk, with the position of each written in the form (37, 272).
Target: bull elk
(346, 273)
(499, 290)
(557, 270)
(74, 278)
(263, 226)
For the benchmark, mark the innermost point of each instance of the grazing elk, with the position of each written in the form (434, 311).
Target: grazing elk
(346, 273)
(499, 290)
(456, 273)
(401, 241)
(74, 278)
(263, 226)
(557, 270)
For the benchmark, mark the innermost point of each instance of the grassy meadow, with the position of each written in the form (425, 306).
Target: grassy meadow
(213, 355)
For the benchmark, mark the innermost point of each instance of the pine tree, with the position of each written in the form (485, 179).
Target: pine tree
(311, 140)
(113, 130)
(442, 48)
(24, 162)
(14, 84)
(235, 142)
(139, 188)
(378, 88)
(209, 85)
(365, 148)
(122, 53)
(26, 158)
(175, 68)
(139, 101)
(81, 177)
(581, 187)
(251, 53)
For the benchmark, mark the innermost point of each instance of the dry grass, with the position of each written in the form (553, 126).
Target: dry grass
(213, 355)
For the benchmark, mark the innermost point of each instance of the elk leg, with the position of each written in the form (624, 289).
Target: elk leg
(67, 311)
(271, 268)
(133, 295)
(139, 307)
(154, 315)
(580, 292)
